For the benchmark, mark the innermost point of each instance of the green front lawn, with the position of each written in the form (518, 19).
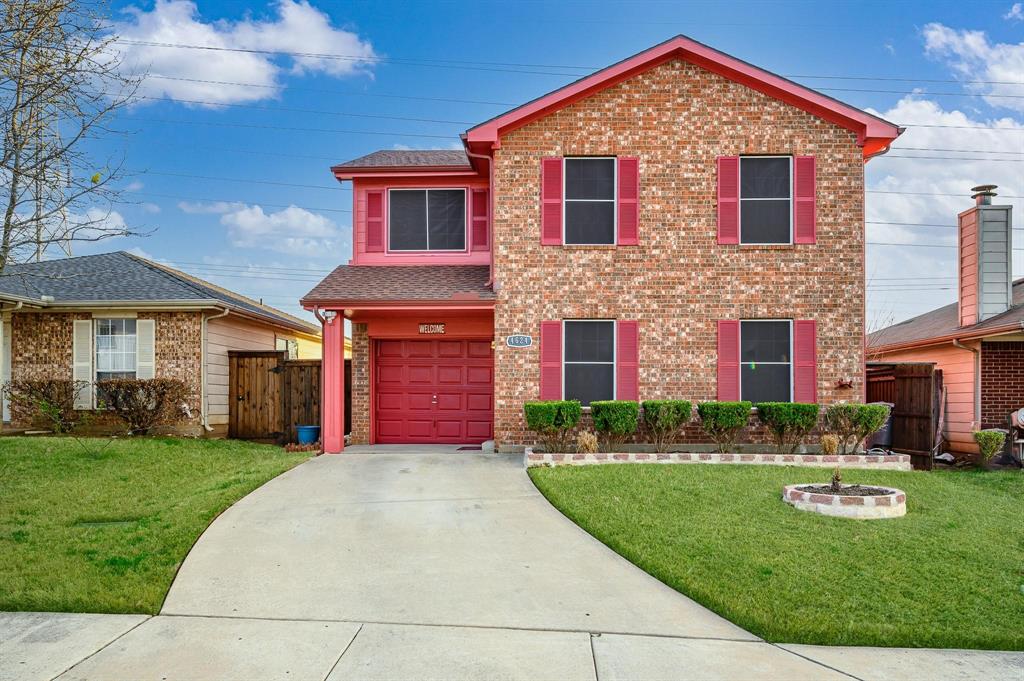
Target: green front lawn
(105, 530)
(948, 574)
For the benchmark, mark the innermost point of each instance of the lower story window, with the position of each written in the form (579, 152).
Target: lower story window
(115, 348)
(588, 360)
(766, 360)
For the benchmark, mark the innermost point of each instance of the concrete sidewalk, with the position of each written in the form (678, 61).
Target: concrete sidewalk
(45, 646)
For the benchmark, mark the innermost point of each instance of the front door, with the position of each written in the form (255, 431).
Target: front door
(433, 391)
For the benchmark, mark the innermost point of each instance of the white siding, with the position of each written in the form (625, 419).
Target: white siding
(222, 335)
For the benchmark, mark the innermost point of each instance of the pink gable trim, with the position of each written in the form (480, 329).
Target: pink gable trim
(873, 134)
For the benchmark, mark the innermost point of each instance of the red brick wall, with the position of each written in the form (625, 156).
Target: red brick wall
(41, 346)
(1002, 381)
(677, 118)
(360, 394)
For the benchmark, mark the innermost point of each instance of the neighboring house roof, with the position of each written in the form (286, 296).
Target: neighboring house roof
(395, 284)
(874, 134)
(943, 324)
(123, 279)
(413, 158)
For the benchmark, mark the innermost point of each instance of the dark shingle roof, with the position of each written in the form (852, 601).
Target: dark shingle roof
(123, 277)
(945, 321)
(409, 158)
(412, 282)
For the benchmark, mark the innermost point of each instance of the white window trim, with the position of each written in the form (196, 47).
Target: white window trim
(96, 350)
(427, 190)
(790, 362)
(614, 200)
(615, 354)
(740, 200)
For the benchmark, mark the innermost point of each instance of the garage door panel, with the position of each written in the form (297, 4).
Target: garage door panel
(479, 376)
(437, 391)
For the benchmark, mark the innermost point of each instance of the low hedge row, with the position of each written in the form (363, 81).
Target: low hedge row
(789, 422)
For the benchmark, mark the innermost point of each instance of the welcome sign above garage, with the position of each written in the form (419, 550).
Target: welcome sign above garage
(432, 328)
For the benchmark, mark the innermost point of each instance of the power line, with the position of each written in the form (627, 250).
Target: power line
(954, 158)
(239, 201)
(289, 128)
(965, 151)
(479, 65)
(880, 191)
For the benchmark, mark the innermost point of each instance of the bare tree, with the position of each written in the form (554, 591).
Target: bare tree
(60, 87)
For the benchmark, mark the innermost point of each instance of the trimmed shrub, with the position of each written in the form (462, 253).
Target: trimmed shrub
(789, 422)
(586, 442)
(664, 419)
(615, 420)
(144, 403)
(49, 401)
(553, 420)
(723, 421)
(990, 443)
(853, 423)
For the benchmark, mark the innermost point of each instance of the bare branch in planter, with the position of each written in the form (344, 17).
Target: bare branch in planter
(144, 404)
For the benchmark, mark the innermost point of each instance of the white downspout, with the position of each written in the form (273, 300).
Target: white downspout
(977, 380)
(204, 370)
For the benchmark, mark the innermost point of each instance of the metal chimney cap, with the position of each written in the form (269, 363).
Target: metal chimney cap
(985, 189)
(982, 194)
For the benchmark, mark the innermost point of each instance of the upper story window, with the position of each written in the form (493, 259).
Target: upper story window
(115, 348)
(427, 219)
(589, 200)
(766, 194)
(588, 360)
(766, 360)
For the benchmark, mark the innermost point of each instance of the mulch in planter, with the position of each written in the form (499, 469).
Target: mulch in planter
(847, 490)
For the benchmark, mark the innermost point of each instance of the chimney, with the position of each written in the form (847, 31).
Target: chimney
(985, 248)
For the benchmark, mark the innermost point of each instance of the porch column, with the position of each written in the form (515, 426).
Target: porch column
(333, 418)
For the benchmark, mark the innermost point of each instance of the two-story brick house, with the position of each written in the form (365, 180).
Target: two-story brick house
(680, 224)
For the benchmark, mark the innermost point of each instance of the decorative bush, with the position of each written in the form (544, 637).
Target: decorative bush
(144, 403)
(990, 443)
(829, 444)
(615, 420)
(50, 401)
(723, 421)
(789, 422)
(664, 419)
(552, 421)
(853, 423)
(586, 442)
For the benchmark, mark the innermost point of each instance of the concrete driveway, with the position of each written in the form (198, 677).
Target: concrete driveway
(426, 564)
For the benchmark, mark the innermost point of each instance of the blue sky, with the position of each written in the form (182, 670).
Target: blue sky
(273, 123)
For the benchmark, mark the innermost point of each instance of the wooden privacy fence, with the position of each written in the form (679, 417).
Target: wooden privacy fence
(270, 395)
(915, 390)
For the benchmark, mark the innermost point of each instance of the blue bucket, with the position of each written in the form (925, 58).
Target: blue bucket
(307, 434)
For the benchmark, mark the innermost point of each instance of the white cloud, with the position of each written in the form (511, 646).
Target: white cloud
(208, 207)
(933, 177)
(134, 186)
(292, 230)
(1016, 12)
(974, 58)
(150, 207)
(297, 27)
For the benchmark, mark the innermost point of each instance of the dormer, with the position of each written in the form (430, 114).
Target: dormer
(412, 207)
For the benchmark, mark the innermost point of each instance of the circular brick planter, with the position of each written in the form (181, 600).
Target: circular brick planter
(893, 504)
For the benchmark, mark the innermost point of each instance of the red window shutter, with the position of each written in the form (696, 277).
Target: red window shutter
(551, 201)
(627, 361)
(805, 361)
(805, 194)
(728, 199)
(478, 213)
(728, 360)
(629, 197)
(375, 221)
(551, 360)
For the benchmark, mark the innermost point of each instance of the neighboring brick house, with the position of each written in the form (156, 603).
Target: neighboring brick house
(978, 341)
(119, 315)
(681, 224)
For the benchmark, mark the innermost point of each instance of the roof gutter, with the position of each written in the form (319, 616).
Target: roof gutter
(940, 340)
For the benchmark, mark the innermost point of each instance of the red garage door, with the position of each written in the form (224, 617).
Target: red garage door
(434, 391)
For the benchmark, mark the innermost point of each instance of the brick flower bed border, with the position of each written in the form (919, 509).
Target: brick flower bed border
(892, 505)
(896, 462)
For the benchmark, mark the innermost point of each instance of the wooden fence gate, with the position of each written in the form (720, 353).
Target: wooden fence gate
(916, 392)
(270, 395)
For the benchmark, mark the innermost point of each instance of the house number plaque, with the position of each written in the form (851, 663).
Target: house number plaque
(432, 328)
(519, 341)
